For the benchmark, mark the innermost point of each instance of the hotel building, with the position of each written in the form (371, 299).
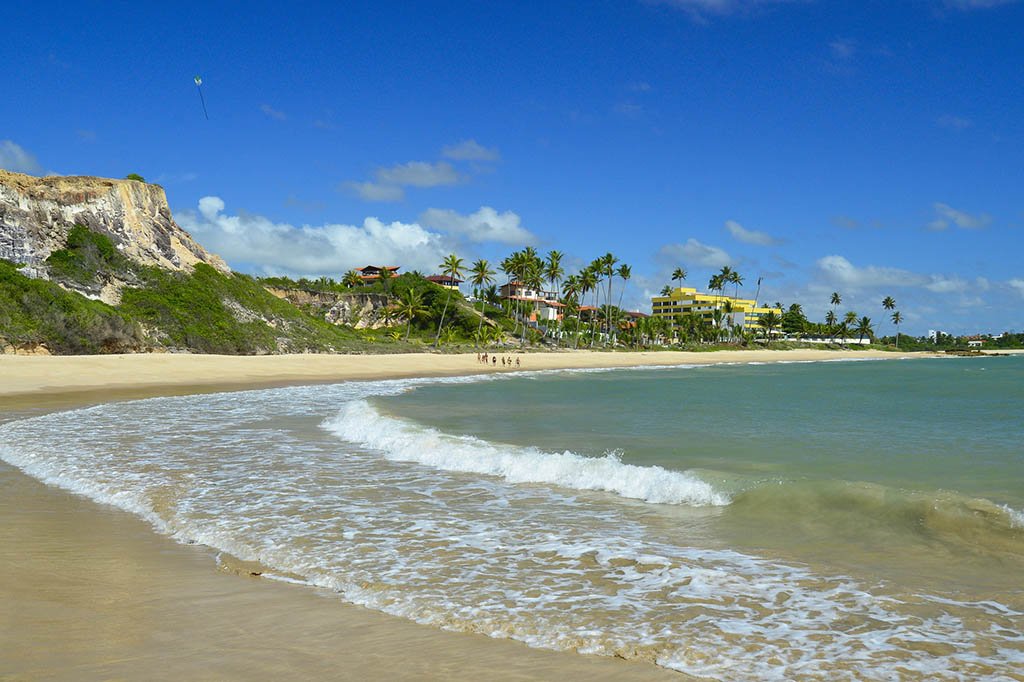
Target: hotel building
(682, 300)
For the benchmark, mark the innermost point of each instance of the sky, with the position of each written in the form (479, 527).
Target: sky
(870, 148)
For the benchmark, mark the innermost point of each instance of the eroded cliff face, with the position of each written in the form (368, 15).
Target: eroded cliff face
(37, 213)
(360, 311)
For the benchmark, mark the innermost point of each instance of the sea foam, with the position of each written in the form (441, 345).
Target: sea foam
(399, 440)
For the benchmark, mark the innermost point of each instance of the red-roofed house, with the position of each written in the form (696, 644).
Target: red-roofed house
(371, 273)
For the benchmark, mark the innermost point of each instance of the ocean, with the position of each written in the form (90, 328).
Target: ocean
(831, 520)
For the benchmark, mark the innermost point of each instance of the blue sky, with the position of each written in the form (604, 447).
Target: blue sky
(870, 148)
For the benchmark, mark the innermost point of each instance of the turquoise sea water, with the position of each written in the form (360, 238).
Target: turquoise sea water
(844, 520)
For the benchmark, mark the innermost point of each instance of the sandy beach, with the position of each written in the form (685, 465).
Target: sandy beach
(91, 592)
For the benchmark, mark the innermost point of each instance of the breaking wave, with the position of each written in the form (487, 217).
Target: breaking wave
(358, 422)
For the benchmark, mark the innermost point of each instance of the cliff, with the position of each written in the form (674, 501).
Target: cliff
(36, 215)
(357, 310)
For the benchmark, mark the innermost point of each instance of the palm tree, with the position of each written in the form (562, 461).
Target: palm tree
(385, 277)
(625, 273)
(864, 328)
(608, 262)
(896, 319)
(481, 275)
(410, 306)
(352, 279)
(679, 274)
(666, 290)
(452, 266)
(769, 321)
(889, 303)
(830, 321)
(588, 282)
(737, 279)
(570, 294)
(553, 271)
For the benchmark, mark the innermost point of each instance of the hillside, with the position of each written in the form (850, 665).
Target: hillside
(93, 265)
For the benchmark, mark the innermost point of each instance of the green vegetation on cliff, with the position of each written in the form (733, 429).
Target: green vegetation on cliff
(85, 256)
(34, 311)
(209, 312)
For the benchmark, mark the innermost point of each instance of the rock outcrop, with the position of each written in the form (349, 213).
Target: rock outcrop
(361, 311)
(37, 213)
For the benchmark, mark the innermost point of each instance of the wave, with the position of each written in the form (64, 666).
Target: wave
(865, 509)
(399, 440)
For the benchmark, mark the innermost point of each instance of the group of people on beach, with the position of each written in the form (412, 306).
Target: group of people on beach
(487, 359)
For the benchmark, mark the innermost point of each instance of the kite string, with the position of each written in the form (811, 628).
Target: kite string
(203, 100)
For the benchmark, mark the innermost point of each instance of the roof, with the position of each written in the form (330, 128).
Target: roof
(392, 268)
(444, 279)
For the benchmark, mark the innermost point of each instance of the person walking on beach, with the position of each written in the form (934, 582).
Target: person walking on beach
(517, 362)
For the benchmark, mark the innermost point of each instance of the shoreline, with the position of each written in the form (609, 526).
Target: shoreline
(95, 592)
(153, 374)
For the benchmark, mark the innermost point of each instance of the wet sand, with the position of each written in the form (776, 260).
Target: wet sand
(91, 592)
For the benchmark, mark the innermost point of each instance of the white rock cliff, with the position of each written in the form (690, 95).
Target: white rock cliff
(37, 213)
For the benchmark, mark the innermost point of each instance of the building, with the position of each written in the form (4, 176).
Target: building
(546, 306)
(371, 273)
(445, 281)
(744, 313)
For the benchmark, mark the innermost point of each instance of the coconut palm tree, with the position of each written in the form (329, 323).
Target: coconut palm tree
(592, 274)
(608, 263)
(769, 321)
(625, 273)
(896, 319)
(679, 274)
(410, 306)
(481, 275)
(889, 303)
(352, 279)
(553, 271)
(666, 290)
(570, 295)
(864, 328)
(452, 267)
(830, 322)
(385, 278)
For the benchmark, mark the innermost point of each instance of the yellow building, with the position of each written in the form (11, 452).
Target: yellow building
(743, 312)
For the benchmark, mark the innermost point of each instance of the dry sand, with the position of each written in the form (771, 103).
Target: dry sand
(91, 592)
(65, 374)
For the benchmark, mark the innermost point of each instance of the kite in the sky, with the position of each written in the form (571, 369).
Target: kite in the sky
(199, 87)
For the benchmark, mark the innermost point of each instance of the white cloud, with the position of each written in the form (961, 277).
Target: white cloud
(330, 249)
(470, 150)
(1017, 285)
(946, 285)
(696, 253)
(390, 181)
(947, 215)
(15, 158)
(746, 236)
(485, 225)
(372, 191)
(272, 112)
(418, 174)
(839, 271)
